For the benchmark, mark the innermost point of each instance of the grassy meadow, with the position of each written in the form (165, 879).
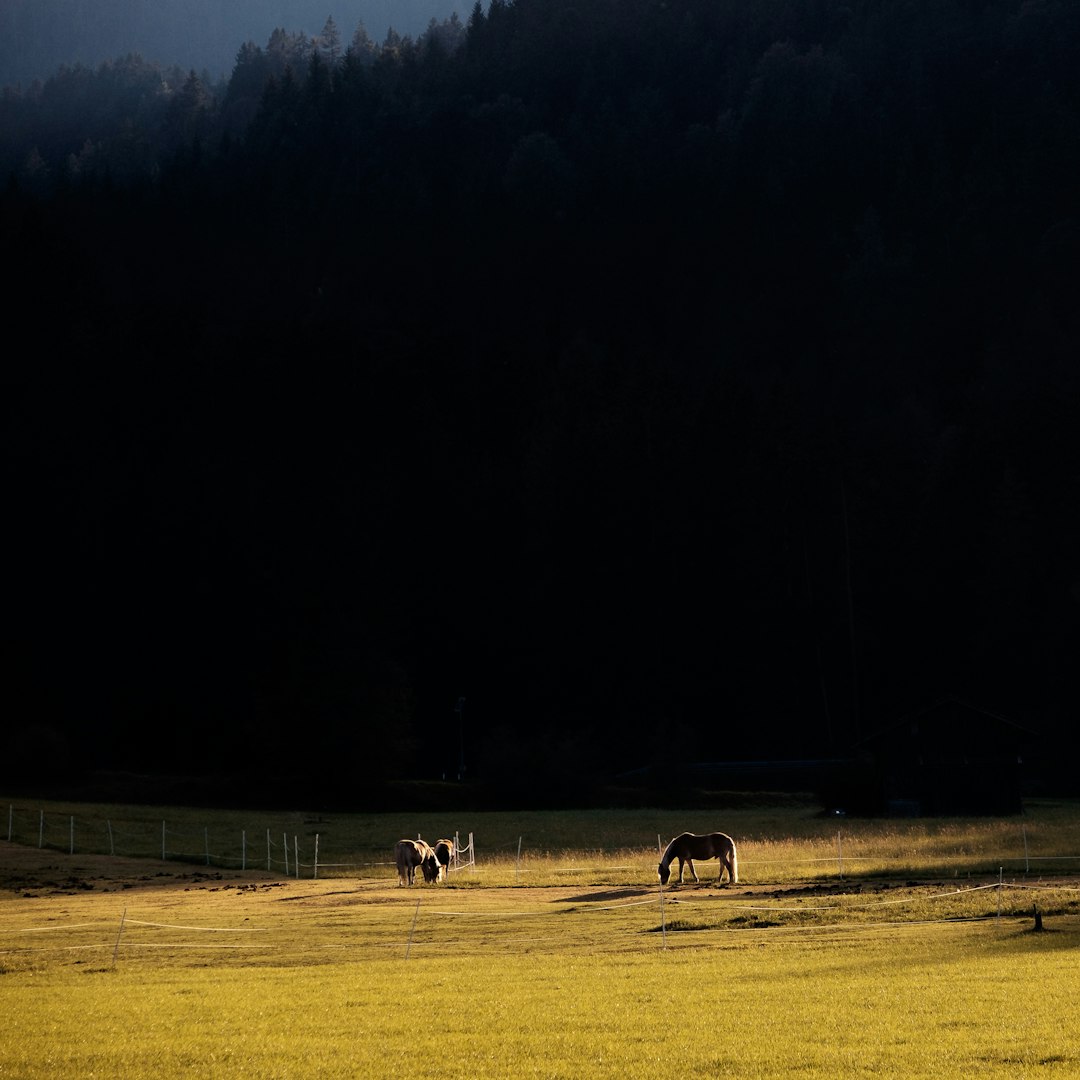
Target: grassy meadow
(921, 961)
(783, 843)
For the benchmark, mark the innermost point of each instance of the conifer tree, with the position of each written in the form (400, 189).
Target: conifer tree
(329, 42)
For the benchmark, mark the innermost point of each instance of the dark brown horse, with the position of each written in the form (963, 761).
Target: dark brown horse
(409, 854)
(689, 846)
(444, 852)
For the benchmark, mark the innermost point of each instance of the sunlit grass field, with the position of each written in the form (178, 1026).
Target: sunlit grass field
(782, 844)
(911, 952)
(936, 1001)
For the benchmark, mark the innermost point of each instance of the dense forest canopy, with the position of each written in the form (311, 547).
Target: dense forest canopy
(665, 377)
(38, 36)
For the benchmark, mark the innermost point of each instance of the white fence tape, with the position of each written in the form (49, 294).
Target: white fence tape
(124, 940)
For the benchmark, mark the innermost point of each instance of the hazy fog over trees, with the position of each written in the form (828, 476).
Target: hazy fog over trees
(38, 36)
(664, 378)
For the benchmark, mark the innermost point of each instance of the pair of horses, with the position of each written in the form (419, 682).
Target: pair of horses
(434, 862)
(686, 847)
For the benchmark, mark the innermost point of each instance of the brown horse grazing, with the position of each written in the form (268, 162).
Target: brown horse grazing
(689, 846)
(430, 866)
(444, 852)
(409, 854)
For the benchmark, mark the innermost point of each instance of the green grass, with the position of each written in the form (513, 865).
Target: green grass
(919, 1001)
(563, 964)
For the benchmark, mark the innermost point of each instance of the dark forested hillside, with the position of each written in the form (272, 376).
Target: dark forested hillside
(665, 378)
(38, 36)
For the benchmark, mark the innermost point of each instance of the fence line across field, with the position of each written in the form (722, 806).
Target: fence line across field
(184, 846)
(195, 847)
(61, 831)
(123, 937)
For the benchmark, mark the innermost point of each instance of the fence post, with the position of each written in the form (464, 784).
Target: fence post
(268, 848)
(116, 947)
(41, 830)
(296, 855)
(412, 928)
(517, 865)
(663, 925)
(840, 854)
(1027, 861)
(112, 845)
(315, 868)
(163, 841)
(999, 888)
(285, 845)
(206, 843)
(243, 849)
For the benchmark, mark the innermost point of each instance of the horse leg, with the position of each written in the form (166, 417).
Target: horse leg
(728, 861)
(690, 863)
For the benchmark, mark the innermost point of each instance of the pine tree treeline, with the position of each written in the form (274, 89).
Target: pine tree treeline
(651, 371)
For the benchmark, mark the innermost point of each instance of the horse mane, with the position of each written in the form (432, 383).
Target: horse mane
(669, 851)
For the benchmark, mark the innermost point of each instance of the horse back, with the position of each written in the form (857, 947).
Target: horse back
(410, 852)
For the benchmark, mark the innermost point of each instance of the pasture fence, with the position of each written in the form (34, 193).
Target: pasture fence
(459, 862)
(135, 935)
(161, 840)
(296, 854)
(293, 856)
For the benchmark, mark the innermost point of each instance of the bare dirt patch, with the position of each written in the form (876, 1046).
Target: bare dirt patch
(48, 872)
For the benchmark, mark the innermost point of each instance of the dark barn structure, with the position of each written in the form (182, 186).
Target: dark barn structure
(949, 758)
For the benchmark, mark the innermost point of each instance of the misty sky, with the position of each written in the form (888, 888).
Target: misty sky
(38, 36)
